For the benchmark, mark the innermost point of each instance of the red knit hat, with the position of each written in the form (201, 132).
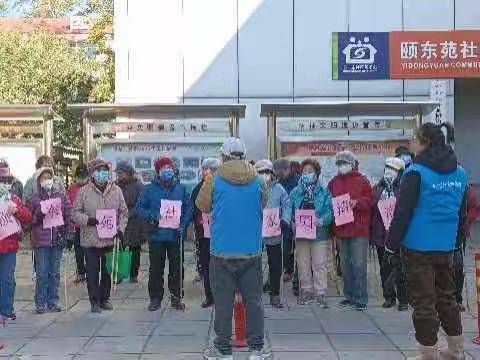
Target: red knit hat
(163, 161)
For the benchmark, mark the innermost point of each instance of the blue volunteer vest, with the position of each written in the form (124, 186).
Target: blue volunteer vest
(435, 220)
(236, 227)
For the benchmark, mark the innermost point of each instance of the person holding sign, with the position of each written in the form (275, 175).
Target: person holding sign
(430, 214)
(202, 227)
(352, 227)
(312, 206)
(52, 221)
(392, 271)
(99, 194)
(13, 213)
(236, 196)
(277, 211)
(165, 205)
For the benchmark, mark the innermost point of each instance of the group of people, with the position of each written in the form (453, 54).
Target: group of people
(238, 209)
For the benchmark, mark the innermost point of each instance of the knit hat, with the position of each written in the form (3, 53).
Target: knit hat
(264, 165)
(81, 171)
(211, 163)
(125, 166)
(163, 161)
(95, 164)
(4, 168)
(346, 157)
(395, 163)
(39, 172)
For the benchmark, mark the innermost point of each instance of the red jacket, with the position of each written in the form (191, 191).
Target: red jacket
(10, 244)
(472, 209)
(72, 194)
(360, 190)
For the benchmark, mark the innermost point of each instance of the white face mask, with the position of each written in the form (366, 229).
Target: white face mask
(390, 175)
(47, 184)
(345, 168)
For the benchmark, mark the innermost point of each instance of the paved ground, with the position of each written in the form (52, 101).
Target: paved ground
(131, 332)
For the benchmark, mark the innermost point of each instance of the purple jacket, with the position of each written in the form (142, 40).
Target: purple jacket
(378, 234)
(48, 237)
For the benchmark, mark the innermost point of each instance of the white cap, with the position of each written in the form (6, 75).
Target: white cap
(234, 147)
(395, 163)
(211, 163)
(264, 165)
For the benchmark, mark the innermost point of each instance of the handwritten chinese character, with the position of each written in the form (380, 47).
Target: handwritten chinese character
(204, 127)
(409, 50)
(468, 50)
(429, 50)
(449, 50)
(150, 127)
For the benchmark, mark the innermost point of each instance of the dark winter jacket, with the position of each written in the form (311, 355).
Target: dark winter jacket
(148, 208)
(359, 189)
(378, 234)
(134, 233)
(48, 237)
(197, 214)
(289, 183)
(438, 163)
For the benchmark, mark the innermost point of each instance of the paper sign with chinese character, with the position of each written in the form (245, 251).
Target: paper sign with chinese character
(305, 227)
(107, 223)
(206, 221)
(52, 209)
(170, 213)
(387, 208)
(434, 54)
(271, 223)
(342, 210)
(8, 224)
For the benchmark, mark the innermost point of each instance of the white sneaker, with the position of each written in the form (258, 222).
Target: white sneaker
(215, 354)
(260, 355)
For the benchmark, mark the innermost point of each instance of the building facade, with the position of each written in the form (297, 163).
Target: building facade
(254, 51)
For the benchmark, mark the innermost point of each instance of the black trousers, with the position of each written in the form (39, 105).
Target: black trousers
(288, 247)
(98, 286)
(431, 286)
(204, 255)
(394, 278)
(459, 275)
(274, 253)
(136, 255)
(79, 254)
(159, 251)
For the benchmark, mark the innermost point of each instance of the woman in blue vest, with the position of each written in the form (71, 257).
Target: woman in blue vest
(431, 210)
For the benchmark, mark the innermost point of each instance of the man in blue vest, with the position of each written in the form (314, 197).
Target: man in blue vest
(430, 213)
(235, 197)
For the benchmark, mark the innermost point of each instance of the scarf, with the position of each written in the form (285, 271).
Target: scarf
(387, 190)
(309, 194)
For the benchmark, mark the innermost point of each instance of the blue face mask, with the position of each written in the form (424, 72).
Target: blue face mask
(308, 178)
(101, 176)
(166, 174)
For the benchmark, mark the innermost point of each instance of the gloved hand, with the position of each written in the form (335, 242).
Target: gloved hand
(40, 216)
(121, 236)
(92, 222)
(69, 240)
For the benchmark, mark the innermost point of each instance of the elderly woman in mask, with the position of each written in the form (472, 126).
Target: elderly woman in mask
(100, 193)
(51, 211)
(392, 272)
(12, 212)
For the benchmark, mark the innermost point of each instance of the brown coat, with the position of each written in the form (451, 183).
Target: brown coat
(88, 201)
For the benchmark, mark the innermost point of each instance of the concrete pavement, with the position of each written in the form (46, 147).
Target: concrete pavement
(131, 332)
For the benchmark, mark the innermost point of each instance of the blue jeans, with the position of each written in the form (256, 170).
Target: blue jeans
(7, 282)
(47, 265)
(353, 258)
